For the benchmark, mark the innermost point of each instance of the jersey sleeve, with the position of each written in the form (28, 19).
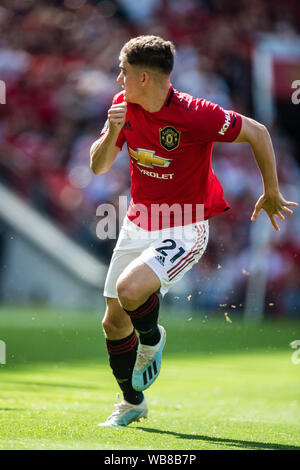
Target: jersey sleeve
(215, 124)
(119, 98)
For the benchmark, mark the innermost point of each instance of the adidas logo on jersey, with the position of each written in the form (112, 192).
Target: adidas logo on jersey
(127, 126)
(160, 259)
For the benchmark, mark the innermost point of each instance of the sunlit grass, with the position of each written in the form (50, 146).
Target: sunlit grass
(222, 386)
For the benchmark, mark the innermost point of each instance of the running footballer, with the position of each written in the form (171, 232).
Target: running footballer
(170, 137)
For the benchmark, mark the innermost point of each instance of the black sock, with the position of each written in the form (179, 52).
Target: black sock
(144, 320)
(122, 356)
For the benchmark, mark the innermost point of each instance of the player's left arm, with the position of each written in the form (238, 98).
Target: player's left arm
(271, 200)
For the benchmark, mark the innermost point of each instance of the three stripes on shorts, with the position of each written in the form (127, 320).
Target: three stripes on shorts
(190, 256)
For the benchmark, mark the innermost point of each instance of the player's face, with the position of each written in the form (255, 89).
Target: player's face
(129, 79)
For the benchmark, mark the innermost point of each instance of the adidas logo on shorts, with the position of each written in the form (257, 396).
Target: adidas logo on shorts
(161, 259)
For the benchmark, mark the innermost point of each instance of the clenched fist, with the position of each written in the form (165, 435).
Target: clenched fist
(116, 115)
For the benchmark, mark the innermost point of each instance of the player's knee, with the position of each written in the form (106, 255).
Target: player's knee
(128, 293)
(116, 323)
(110, 327)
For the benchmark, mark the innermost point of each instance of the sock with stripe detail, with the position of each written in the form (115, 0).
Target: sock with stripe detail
(122, 356)
(144, 320)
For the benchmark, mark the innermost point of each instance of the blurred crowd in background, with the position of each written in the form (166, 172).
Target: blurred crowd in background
(59, 60)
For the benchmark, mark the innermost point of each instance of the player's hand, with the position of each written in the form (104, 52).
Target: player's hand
(273, 205)
(116, 115)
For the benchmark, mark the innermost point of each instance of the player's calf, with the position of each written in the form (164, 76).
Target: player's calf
(121, 342)
(122, 357)
(136, 289)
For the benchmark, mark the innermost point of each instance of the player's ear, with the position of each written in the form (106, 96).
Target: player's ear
(144, 78)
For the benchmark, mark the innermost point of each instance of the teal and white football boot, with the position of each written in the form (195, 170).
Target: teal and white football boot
(125, 413)
(148, 363)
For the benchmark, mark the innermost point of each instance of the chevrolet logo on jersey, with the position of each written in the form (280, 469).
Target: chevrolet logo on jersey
(148, 158)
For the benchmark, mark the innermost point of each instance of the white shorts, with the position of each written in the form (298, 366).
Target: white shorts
(170, 252)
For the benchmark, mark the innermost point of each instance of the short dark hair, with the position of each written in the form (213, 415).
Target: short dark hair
(150, 51)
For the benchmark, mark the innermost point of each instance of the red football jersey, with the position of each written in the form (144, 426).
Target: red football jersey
(170, 153)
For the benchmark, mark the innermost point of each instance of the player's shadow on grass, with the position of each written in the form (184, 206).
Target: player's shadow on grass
(222, 441)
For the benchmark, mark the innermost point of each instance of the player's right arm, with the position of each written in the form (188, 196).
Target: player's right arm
(214, 124)
(104, 151)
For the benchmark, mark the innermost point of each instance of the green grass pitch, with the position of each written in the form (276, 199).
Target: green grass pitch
(222, 385)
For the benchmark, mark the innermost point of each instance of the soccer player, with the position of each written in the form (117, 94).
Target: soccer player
(170, 138)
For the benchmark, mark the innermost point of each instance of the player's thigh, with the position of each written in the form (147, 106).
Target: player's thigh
(116, 322)
(136, 283)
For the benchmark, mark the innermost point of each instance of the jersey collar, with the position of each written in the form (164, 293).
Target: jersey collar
(169, 97)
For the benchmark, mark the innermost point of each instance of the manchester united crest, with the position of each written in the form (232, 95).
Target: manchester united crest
(169, 138)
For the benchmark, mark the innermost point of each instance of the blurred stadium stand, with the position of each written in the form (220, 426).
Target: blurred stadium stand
(44, 265)
(59, 61)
